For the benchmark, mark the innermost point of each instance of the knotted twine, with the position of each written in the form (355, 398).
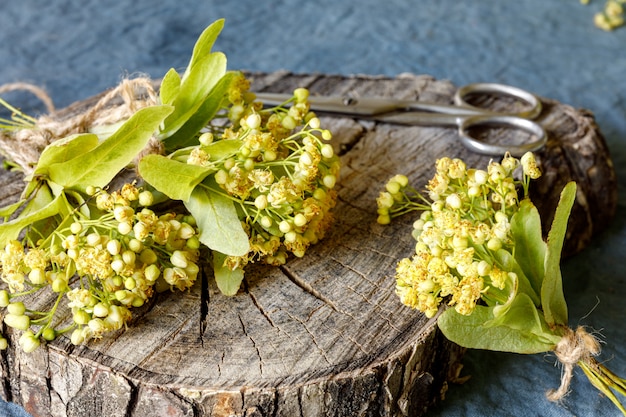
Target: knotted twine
(573, 348)
(24, 146)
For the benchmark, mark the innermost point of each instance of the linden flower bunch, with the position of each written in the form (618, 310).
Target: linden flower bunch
(102, 267)
(480, 251)
(260, 189)
(248, 183)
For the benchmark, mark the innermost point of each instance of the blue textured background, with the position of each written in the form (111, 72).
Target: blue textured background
(76, 49)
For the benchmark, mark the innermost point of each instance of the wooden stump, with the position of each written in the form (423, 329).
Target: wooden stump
(324, 335)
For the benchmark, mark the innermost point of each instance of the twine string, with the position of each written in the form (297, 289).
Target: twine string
(574, 347)
(24, 146)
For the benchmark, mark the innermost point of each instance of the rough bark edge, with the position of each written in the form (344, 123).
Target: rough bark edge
(53, 383)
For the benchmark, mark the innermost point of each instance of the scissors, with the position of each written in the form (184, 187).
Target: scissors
(462, 114)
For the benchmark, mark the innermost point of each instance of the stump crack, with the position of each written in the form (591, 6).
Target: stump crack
(254, 345)
(313, 339)
(306, 287)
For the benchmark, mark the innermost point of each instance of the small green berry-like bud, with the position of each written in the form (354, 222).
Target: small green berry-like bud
(3, 343)
(146, 198)
(19, 322)
(100, 310)
(206, 138)
(193, 243)
(59, 284)
(179, 259)
(301, 94)
(299, 220)
(261, 202)
(124, 228)
(288, 122)
(135, 245)
(129, 257)
(494, 244)
(130, 283)
(77, 337)
(114, 246)
(49, 334)
(152, 272)
(253, 121)
(284, 226)
(76, 227)
(147, 256)
(393, 187)
(18, 308)
(29, 342)
(37, 276)
(4, 298)
(81, 317)
(329, 180)
(384, 219)
(327, 151)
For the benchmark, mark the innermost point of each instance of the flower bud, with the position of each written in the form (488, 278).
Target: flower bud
(77, 337)
(37, 276)
(29, 342)
(148, 256)
(329, 180)
(49, 334)
(81, 317)
(253, 121)
(114, 246)
(206, 138)
(100, 310)
(4, 298)
(129, 257)
(76, 228)
(179, 259)
(124, 228)
(152, 272)
(18, 308)
(19, 322)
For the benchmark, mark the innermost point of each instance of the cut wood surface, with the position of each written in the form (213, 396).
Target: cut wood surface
(324, 335)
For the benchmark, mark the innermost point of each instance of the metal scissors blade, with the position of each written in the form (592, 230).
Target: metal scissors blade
(460, 114)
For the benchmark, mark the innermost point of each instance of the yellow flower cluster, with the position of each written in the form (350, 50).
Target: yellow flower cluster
(611, 17)
(119, 259)
(459, 234)
(282, 174)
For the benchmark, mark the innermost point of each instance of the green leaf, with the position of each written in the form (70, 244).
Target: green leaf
(204, 44)
(216, 217)
(223, 149)
(170, 86)
(520, 333)
(530, 249)
(64, 150)
(552, 298)
(38, 211)
(193, 91)
(228, 281)
(7, 211)
(175, 179)
(101, 164)
(186, 134)
(507, 262)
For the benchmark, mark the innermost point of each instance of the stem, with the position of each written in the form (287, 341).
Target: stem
(603, 379)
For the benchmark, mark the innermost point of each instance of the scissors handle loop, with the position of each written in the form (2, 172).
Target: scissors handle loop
(461, 95)
(538, 134)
